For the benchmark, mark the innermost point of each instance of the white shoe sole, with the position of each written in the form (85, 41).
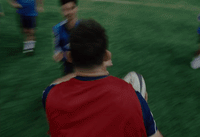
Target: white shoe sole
(195, 64)
(27, 51)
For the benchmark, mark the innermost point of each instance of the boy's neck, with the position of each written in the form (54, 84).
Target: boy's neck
(71, 23)
(98, 71)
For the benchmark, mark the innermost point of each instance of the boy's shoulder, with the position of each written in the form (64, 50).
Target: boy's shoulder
(57, 27)
(64, 79)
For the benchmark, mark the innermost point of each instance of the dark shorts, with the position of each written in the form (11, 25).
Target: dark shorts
(27, 22)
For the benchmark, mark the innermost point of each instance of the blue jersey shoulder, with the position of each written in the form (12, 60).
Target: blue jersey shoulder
(149, 122)
(61, 35)
(45, 94)
(57, 27)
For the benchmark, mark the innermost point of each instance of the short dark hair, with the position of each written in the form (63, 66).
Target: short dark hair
(88, 42)
(62, 2)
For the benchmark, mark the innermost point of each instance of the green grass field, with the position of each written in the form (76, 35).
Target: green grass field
(156, 38)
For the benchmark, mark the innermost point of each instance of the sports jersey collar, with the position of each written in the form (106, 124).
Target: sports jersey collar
(90, 78)
(77, 22)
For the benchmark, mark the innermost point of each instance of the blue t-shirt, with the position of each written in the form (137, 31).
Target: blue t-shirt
(61, 37)
(28, 8)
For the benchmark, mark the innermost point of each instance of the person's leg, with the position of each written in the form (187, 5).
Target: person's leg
(138, 83)
(30, 35)
(24, 30)
(29, 24)
(29, 42)
(198, 42)
(195, 63)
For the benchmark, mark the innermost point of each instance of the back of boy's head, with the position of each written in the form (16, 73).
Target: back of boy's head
(88, 42)
(63, 2)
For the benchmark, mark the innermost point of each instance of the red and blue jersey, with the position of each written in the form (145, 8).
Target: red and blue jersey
(28, 8)
(103, 106)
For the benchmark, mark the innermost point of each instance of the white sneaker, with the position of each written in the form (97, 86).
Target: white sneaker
(28, 46)
(33, 44)
(195, 64)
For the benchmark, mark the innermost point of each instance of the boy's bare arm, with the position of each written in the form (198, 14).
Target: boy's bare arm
(14, 4)
(65, 78)
(58, 56)
(40, 5)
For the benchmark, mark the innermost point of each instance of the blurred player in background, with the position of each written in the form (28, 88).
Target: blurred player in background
(28, 11)
(62, 31)
(195, 64)
(93, 103)
(1, 10)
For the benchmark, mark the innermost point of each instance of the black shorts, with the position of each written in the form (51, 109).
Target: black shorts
(27, 22)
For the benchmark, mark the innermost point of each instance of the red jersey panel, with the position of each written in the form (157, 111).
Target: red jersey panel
(106, 107)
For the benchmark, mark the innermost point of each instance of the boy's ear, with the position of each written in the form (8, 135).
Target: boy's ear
(107, 56)
(69, 57)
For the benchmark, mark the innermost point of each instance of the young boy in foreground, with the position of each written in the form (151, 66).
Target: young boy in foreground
(93, 103)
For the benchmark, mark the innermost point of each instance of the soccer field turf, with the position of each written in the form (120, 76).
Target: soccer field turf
(156, 38)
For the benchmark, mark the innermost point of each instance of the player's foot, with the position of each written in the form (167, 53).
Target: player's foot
(29, 46)
(33, 43)
(195, 64)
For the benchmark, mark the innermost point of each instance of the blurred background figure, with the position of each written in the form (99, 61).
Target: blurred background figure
(1, 10)
(28, 11)
(61, 33)
(195, 64)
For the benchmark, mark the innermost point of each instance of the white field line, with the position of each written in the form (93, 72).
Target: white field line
(180, 5)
